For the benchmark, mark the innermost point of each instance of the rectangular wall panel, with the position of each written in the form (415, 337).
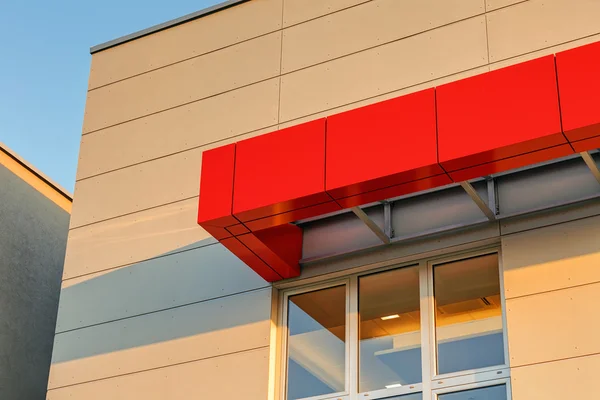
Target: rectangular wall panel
(575, 378)
(297, 11)
(554, 325)
(367, 25)
(133, 238)
(139, 187)
(551, 258)
(417, 59)
(536, 24)
(491, 5)
(236, 376)
(191, 39)
(206, 121)
(160, 283)
(181, 83)
(182, 334)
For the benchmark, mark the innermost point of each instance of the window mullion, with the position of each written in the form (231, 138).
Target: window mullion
(353, 338)
(427, 338)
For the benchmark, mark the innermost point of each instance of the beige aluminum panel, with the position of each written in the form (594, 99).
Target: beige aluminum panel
(207, 329)
(418, 59)
(181, 42)
(368, 25)
(554, 325)
(235, 376)
(387, 96)
(156, 284)
(551, 258)
(227, 69)
(576, 378)
(544, 52)
(537, 24)
(491, 5)
(296, 11)
(133, 238)
(206, 121)
(139, 187)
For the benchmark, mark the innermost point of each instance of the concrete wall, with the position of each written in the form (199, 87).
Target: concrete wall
(33, 234)
(142, 282)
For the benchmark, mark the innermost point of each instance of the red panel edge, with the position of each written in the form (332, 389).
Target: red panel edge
(511, 163)
(273, 247)
(586, 144)
(251, 259)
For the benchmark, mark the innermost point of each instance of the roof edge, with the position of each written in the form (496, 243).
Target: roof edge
(10, 153)
(165, 25)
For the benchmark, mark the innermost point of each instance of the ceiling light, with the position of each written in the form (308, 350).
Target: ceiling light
(395, 385)
(390, 317)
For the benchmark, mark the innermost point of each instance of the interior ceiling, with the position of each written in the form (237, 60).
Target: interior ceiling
(465, 290)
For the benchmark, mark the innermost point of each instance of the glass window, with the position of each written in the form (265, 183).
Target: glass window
(316, 343)
(390, 329)
(468, 315)
(485, 393)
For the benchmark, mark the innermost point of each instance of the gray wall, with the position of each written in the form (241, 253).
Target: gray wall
(33, 235)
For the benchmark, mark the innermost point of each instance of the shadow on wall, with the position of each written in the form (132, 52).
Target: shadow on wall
(200, 301)
(33, 236)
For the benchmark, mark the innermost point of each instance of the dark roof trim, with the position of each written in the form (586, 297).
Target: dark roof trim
(166, 25)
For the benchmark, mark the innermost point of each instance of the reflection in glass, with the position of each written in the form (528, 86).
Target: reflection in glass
(390, 324)
(316, 343)
(468, 314)
(486, 393)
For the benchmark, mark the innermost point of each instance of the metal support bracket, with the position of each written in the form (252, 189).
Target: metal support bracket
(482, 204)
(371, 225)
(589, 161)
(493, 202)
(387, 219)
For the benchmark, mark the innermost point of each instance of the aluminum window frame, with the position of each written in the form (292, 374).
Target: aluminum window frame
(285, 331)
(432, 384)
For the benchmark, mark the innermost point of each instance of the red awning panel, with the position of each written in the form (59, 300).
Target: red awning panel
(501, 120)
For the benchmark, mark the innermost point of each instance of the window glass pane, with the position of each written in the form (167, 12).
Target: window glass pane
(486, 393)
(468, 314)
(390, 324)
(316, 343)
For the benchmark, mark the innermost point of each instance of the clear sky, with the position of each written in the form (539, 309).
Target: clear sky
(44, 67)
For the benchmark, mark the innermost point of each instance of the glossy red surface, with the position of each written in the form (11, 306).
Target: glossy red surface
(251, 259)
(497, 115)
(296, 215)
(280, 247)
(586, 144)
(280, 171)
(579, 87)
(382, 145)
(486, 124)
(238, 229)
(511, 163)
(395, 191)
(216, 187)
(216, 231)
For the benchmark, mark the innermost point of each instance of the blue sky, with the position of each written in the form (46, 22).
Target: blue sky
(44, 67)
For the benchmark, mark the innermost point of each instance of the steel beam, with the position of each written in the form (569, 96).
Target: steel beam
(371, 225)
(483, 206)
(589, 161)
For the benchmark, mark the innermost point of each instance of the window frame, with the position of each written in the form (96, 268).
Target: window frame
(433, 384)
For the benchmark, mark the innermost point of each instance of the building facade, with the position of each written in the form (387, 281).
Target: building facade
(34, 215)
(448, 249)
